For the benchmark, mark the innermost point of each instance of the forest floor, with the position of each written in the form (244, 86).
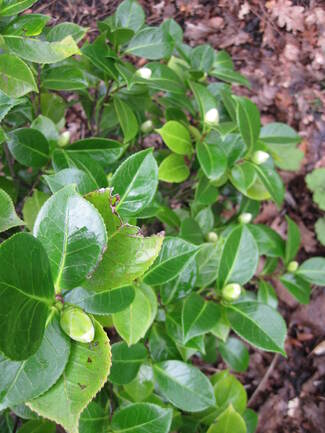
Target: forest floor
(280, 46)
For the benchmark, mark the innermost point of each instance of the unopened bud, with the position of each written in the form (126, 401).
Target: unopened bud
(212, 237)
(231, 292)
(245, 218)
(292, 266)
(77, 324)
(147, 126)
(64, 138)
(144, 73)
(259, 157)
(212, 117)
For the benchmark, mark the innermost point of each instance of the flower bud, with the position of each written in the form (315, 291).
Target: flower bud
(259, 157)
(231, 292)
(77, 324)
(212, 237)
(147, 126)
(64, 139)
(292, 266)
(144, 73)
(212, 117)
(245, 218)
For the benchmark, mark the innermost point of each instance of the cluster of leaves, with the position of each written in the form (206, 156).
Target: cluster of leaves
(80, 263)
(316, 183)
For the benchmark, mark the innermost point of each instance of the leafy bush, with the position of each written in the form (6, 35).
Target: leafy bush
(74, 261)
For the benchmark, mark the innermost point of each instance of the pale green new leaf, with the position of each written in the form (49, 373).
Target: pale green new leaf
(32, 206)
(177, 137)
(228, 422)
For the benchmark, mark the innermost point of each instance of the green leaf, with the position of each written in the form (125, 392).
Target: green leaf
(191, 231)
(293, 240)
(248, 121)
(174, 256)
(151, 43)
(85, 374)
(204, 98)
(173, 169)
(297, 286)
(251, 420)
(70, 176)
(228, 391)
(136, 182)
(74, 236)
(100, 55)
(126, 362)
(230, 76)
(198, 316)
(272, 182)
(202, 57)
(142, 386)
(16, 78)
(313, 270)
(66, 77)
(32, 206)
(29, 147)
(235, 354)
(320, 230)
(177, 137)
(228, 422)
(239, 257)
(269, 242)
(64, 30)
(207, 260)
(248, 321)
(142, 418)
(161, 345)
(127, 119)
(279, 133)
(184, 386)
(128, 254)
(266, 294)
(104, 303)
(162, 78)
(133, 322)
(8, 216)
(53, 106)
(26, 293)
(212, 159)
(94, 419)
(38, 426)
(130, 15)
(34, 50)
(14, 7)
(243, 176)
(48, 128)
(25, 380)
(27, 25)
(315, 182)
(7, 104)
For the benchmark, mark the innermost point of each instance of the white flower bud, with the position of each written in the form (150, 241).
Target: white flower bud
(64, 138)
(231, 292)
(144, 73)
(147, 126)
(245, 218)
(212, 237)
(292, 266)
(212, 117)
(259, 157)
(77, 324)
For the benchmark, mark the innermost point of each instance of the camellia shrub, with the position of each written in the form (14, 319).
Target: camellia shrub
(144, 226)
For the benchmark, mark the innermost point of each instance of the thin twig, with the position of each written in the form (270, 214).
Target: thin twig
(263, 382)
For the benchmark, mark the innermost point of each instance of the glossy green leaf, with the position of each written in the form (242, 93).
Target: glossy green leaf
(243, 176)
(202, 57)
(269, 242)
(161, 346)
(142, 418)
(26, 292)
(128, 254)
(207, 260)
(212, 159)
(142, 386)
(29, 147)
(71, 176)
(25, 380)
(13, 7)
(126, 362)
(48, 128)
(177, 137)
(259, 324)
(228, 422)
(32, 206)
(162, 78)
(94, 419)
(38, 426)
(272, 182)
(151, 43)
(53, 106)
(230, 76)
(7, 104)
(239, 257)
(100, 55)
(136, 182)
(198, 316)
(127, 119)
(205, 219)
(74, 236)
(293, 240)
(28, 25)
(16, 77)
(191, 231)
(103, 303)
(174, 256)
(67, 77)
(279, 133)
(235, 354)
(184, 386)
(102, 150)
(173, 169)
(228, 391)
(8, 216)
(130, 15)
(297, 286)
(64, 30)
(266, 294)
(34, 50)
(203, 97)
(313, 270)
(85, 374)
(248, 120)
